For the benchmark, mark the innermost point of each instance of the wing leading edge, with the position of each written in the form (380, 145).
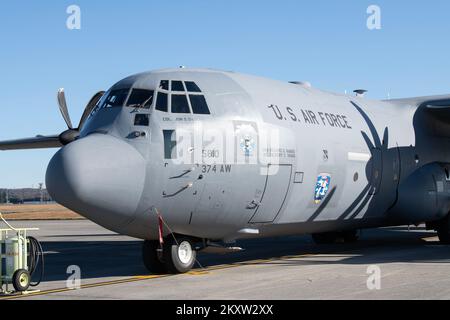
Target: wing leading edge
(38, 142)
(437, 107)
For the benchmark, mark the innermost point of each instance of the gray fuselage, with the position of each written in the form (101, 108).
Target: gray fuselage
(267, 158)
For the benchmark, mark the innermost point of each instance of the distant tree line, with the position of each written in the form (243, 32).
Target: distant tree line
(24, 195)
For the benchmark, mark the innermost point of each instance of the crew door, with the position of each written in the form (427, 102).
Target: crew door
(278, 180)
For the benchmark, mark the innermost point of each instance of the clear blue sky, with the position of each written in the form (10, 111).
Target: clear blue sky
(324, 42)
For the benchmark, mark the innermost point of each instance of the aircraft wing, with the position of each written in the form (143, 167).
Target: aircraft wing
(430, 100)
(38, 142)
(437, 107)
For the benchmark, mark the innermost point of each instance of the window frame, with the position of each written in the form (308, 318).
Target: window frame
(159, 85)
(168, 100)
(206, 102)
(182, 83)
(186, 93)
(195, 84)
(147, 117)
(150, 106)
(179, 93)
(124, 101)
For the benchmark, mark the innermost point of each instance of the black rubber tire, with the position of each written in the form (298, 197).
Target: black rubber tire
(351, 236)
(171, 258)
(444, 231)
(21, 280)
(150, 257)
(326, 238)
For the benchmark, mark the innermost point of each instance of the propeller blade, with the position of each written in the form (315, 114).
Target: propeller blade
(89, 107)
(63, 108)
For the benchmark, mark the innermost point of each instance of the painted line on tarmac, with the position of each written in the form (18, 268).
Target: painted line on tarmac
(84, 286)
(195, 272)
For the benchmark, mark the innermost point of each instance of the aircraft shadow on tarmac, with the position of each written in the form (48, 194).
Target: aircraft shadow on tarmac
(102, 259)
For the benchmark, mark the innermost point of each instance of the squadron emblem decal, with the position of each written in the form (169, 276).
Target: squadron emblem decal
(322, 187)
(247, 136)
(247, 144)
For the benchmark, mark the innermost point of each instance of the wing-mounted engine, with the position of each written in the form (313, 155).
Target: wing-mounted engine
(424, 196)
(424, 190)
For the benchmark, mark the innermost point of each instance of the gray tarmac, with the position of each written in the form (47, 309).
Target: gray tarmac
(412, 265)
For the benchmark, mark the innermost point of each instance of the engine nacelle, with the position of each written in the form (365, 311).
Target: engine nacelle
(424, 196)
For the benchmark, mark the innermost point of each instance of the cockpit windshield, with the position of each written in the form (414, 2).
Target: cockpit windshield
(140, 98)
(116, 98)
(173, 96)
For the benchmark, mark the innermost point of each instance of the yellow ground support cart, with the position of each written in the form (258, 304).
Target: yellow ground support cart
(15, 267)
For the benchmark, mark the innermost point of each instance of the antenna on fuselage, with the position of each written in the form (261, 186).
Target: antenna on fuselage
(304, 84)
(360, 93)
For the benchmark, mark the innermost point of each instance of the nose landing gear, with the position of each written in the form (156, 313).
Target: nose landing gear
(443, 230)
(152, 257)
(177, 256)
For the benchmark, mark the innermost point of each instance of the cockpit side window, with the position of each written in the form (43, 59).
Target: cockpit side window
(161, 102)
(198, 103)
(140, 98)
(142, 119)
(116, 98)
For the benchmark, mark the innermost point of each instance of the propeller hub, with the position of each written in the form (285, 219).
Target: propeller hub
(68, 136)
(71, 134)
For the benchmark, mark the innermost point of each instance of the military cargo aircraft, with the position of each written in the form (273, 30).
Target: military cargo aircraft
(195, 159)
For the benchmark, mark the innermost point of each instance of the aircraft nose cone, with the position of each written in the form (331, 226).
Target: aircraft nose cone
(99, 177)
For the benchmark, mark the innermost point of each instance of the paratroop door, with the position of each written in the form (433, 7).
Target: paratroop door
(278, 180)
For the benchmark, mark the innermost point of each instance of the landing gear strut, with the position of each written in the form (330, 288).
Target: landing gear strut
(152, 257)
(336, 237)
(443, 229)
(177, 256)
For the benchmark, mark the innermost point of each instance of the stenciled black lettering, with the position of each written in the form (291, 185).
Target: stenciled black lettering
(330, 120)
(322, 117)
(307, 120)
(291, 113)
(335, 121)
(346, 122)
(341, 121)
(312, 115)
(277, 111)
